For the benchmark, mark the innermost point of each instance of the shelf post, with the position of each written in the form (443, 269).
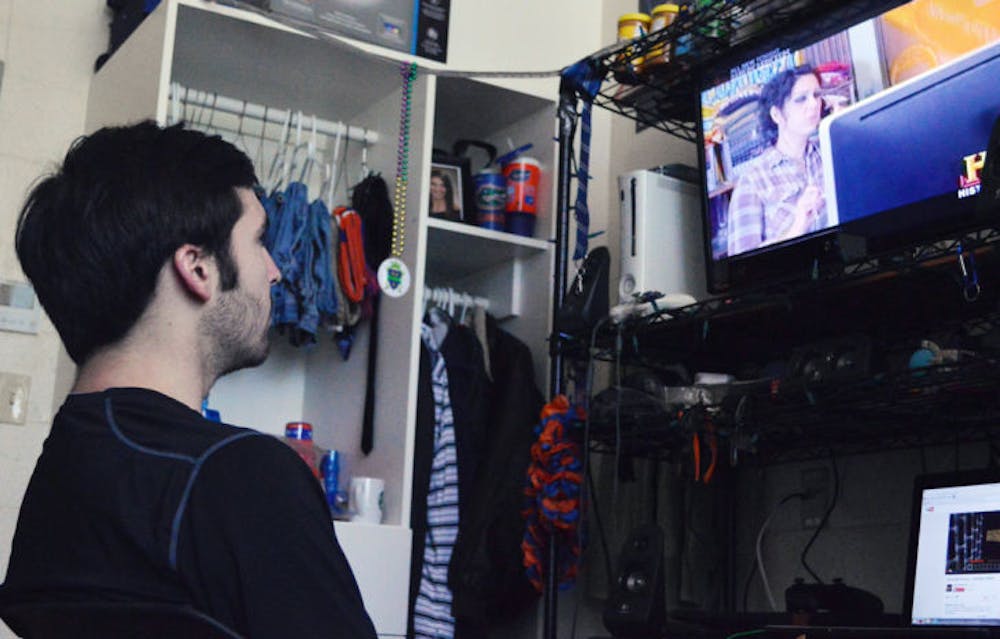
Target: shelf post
(567, 117)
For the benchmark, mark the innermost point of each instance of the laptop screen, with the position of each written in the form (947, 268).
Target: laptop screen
(954, 569)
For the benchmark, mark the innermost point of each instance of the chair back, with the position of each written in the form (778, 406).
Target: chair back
(111, 620)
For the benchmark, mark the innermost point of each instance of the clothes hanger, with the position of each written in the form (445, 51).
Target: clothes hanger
(333, 167)
(175, 103)
(199, 109)
(307, 166)
(240, 142)
(324, 187)
(428, 300)
(342, 173)
(260, 142)
(364, 154)
(210, 126)
(466, 303)
(290, 157)
(186, 105)
(273, 173)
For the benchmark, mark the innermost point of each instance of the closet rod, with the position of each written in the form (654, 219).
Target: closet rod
(207, 100)
(441, 295)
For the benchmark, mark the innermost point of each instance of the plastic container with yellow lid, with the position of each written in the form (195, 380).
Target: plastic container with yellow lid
(632, 26)
(662, 17)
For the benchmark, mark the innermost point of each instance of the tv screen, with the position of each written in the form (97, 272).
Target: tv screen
(878, 131)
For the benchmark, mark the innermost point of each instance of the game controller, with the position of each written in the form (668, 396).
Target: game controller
(835, 598)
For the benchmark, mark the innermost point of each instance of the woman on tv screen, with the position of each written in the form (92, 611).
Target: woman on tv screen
(779, 194)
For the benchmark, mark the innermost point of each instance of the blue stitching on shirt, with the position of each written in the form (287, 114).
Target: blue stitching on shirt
(175, 528)
(109, 413)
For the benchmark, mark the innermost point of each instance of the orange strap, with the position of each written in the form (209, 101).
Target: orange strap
(351, 256)
(696, 453)
(713, 446)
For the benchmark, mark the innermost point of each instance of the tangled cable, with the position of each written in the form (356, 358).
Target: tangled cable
(552, 494)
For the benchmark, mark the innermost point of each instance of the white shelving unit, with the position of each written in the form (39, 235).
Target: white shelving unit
(514, 272)
(246, 56)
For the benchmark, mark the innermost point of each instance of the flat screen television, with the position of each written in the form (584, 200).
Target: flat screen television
(876, 134)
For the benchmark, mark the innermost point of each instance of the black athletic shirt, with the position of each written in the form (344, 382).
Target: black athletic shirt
(136, 497)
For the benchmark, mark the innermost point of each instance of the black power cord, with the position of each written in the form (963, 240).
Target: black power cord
(826, 518)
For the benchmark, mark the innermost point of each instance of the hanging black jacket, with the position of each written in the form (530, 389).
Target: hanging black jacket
(487, 575)
(469, 392)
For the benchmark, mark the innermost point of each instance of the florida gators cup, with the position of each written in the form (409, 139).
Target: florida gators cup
(522, 176)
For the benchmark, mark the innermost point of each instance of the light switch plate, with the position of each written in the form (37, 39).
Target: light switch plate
(19, 309)
(14, 390)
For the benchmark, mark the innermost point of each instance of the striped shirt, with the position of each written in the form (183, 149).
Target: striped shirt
(762, 209)
(432, 617)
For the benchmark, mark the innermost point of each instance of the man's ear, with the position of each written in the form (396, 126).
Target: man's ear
(195, 270)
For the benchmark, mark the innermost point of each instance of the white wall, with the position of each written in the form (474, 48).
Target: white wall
(48, 47)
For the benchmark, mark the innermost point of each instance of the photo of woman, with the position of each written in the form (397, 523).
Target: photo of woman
(778, 195)
(446, 192)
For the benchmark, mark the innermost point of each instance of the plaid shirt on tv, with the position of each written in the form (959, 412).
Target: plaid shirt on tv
(762, 207)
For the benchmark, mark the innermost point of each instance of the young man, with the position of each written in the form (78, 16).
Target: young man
(146, 251)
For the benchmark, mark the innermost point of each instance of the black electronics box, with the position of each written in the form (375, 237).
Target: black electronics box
(417, 27)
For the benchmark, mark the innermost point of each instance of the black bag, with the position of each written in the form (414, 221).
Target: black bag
(586, 300)
(126, 16)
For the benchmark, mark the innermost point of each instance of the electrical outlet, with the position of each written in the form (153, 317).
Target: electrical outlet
(816, 486)
(14, 391)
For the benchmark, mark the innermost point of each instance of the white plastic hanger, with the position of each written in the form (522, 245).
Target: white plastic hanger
(273, 173)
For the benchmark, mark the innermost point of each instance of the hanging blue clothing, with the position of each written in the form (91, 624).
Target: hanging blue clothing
(274, 204)
(307, 286)
(299, 239)
(432, 617)
(323, 264)
(287, 251)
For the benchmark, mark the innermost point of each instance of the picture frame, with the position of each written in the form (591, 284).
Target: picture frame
(445, 192)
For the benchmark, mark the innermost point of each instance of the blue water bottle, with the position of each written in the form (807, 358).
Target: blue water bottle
(329, 468)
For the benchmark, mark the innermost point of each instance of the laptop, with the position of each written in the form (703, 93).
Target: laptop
(953, 570)
(953, 575)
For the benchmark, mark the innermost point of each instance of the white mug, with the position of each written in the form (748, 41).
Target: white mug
(366, 499)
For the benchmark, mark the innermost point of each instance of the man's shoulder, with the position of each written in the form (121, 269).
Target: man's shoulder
(251, 452)
(247, 442)
(266, 470)
(148, 422)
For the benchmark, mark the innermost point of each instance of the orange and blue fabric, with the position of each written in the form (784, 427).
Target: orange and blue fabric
(552, 495)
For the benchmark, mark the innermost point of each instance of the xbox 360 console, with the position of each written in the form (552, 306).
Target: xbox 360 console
(662, 247)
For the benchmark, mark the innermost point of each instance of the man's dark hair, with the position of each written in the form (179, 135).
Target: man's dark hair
(94, 236)
(774, 94)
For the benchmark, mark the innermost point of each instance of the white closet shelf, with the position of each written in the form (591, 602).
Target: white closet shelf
(463, 248)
